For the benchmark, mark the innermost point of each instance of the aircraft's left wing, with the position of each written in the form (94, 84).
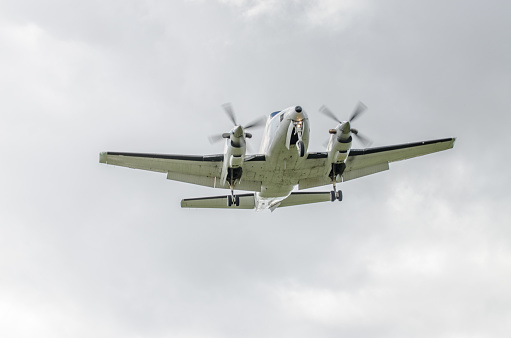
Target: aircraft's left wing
(363, 162)
(201, 170)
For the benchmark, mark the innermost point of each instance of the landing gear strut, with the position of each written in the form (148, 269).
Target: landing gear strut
(301, 148)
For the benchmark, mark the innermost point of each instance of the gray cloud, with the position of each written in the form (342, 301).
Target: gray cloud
(421, 250)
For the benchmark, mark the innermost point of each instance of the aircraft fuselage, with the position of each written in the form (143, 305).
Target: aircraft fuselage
(280, 145)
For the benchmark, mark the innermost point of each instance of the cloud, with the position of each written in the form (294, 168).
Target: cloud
(319, 13)
(422, 249)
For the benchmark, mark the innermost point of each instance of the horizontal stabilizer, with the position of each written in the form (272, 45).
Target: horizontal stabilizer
(297, 198)
(247, 201)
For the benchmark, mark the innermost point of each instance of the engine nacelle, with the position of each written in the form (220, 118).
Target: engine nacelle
(340, 143)
(234, 155)
(235, 161)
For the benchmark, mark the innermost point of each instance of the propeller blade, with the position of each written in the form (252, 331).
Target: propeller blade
(230, 112)
(328, 113)
(217, 138)
(358, 110)
(366, 142)
(256, 123)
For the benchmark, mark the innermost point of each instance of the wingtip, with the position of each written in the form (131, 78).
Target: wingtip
(102, 157)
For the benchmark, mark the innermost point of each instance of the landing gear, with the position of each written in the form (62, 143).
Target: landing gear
(337, 169)
(234, 175)
(296, 138)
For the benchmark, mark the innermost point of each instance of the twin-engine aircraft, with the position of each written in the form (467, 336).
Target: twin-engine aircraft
(282, 164)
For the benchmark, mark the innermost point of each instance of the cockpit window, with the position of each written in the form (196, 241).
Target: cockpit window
(273, 114)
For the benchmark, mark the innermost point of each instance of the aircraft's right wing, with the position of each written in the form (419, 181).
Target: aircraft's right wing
(196, 169)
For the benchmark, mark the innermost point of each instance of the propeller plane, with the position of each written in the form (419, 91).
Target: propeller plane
(282, 164)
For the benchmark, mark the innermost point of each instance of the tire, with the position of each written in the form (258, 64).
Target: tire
(229, 201)
(301, 148)
(237, 201)
(332, 196)
(339, 195)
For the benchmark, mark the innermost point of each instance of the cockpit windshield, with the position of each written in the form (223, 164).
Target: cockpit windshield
(274, 113)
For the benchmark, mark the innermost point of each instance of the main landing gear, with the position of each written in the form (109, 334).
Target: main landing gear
(233, 175)
(337, 169)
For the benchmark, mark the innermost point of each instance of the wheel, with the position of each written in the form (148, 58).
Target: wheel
(237, 201)
(229, 201)
(339, 195)
(332, 196)
(301, 148)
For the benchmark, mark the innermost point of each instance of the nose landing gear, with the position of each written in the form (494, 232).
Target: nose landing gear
(301, 148)
(298, 132)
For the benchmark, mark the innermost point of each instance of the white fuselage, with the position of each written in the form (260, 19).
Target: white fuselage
(282, 154)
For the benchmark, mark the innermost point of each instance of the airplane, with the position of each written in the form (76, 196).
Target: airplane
(283, 163)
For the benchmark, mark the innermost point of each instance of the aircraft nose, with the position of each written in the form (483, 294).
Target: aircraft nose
(297, 114)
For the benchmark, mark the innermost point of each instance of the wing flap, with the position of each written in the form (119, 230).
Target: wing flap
(207, 181)
(352, 174)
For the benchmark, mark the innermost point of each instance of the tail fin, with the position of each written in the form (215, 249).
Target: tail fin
(247, 201)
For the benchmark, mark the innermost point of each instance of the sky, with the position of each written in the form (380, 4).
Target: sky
(86, 249)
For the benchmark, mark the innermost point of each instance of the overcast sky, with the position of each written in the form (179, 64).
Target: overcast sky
(89, 250)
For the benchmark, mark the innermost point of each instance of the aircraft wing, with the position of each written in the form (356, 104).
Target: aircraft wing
(201, 170)
(363, 162)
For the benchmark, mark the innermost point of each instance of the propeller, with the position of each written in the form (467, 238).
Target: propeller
(359, 109)
(230, 113)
